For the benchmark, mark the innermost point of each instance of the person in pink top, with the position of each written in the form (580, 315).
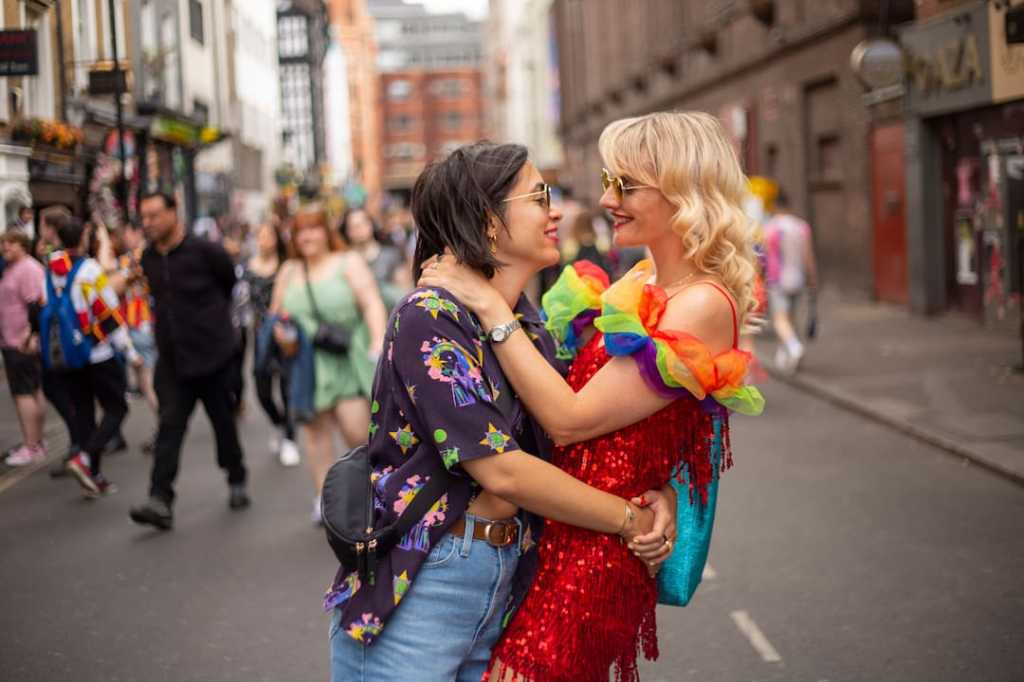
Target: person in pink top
(790, 272)
(20, 288)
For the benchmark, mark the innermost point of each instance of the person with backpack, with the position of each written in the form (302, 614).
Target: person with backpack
(81, 331)
(191, 280)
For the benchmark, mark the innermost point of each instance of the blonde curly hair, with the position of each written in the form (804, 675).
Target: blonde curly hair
(688, 158)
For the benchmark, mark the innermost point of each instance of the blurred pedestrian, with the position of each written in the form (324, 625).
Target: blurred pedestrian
(387, 262)
(102, 380)
(136, 309)
(334, 299)
(191, 281)
(21, 288)
(585, 238)
(46, 243)
(260, 272)
(790, 272)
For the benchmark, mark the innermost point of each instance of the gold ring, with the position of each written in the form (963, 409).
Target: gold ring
(669, 544)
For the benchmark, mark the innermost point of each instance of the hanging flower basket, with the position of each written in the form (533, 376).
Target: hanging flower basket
(46, 132)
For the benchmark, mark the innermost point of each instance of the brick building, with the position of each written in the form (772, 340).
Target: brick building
(775, 71)
(430, 89)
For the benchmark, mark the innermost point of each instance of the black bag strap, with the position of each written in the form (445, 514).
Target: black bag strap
(430, 493)
(309, 292)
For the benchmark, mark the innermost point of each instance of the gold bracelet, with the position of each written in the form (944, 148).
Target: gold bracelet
(630, 517)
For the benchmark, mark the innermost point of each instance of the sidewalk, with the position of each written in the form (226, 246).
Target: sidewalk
(944, 380)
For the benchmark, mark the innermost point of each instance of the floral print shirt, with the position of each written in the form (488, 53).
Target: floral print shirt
(437, 401)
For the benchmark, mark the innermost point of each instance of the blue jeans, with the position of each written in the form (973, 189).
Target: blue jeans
(445, 626)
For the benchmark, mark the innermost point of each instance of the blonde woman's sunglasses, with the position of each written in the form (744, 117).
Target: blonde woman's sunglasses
(544, 191)
(619, 188)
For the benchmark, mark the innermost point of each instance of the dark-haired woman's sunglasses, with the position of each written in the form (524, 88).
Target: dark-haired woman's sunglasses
(545, 191)
(619, 188)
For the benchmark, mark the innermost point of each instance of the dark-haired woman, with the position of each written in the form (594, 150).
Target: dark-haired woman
(325, 285)
(439, 599)
(259, 274)
(361, 233)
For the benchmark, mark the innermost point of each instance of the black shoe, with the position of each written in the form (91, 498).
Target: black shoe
(155, 512)
(115, 445)
(238, 498)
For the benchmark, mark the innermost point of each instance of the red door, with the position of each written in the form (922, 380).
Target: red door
(888, 213)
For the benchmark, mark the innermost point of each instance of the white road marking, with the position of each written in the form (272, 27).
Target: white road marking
(757, 639)
(709, 573)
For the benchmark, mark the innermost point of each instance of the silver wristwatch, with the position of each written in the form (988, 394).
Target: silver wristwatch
(503, 331)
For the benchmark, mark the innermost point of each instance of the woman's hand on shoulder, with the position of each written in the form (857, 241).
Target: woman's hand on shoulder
(469, 286)
(701, 311)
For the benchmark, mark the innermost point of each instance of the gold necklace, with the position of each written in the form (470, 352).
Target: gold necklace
(682, 280)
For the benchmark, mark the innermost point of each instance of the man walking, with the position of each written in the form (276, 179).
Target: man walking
(191, 281)
(790, 271)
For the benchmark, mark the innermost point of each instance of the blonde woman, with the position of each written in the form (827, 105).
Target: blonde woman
(323, 285)
(663, 369)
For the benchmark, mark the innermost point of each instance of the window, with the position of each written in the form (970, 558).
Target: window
(292, 36)
(404, 151)
(399, 89)
(448, 87)
(195, 20)
(829, 164)
(451, 120)
(297, 114)
(201, 111)
(400, 123)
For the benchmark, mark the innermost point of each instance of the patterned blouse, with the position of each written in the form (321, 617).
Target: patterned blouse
(435, 402)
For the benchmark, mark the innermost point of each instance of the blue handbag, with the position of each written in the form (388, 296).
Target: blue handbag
(681, 573)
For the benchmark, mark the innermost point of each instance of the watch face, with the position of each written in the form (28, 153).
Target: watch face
(498, 335)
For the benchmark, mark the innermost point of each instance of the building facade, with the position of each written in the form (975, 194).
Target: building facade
(302, 45)
(431, 92)
(521, 80)
(777, 74)
(355, 33)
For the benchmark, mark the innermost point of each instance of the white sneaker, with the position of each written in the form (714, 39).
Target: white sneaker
(315, 516)
(781, 359)
(289, 454)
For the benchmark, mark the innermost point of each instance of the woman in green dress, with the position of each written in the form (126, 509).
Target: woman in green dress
(321, 284)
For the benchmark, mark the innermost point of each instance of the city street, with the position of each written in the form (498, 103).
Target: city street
(843, 551)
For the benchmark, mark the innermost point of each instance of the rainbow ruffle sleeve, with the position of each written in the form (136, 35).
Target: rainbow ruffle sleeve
(669, 361)
(572, 303)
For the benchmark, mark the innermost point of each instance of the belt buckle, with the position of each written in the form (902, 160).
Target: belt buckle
(506, 538)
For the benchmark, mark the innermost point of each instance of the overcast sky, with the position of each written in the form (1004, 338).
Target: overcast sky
(476, 9)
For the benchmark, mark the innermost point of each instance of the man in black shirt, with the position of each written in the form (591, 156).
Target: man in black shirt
(191, 281)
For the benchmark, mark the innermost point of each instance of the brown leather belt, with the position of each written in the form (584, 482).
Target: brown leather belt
(495, 533)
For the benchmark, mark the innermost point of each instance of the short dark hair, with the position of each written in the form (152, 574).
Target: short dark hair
(343, 226)
(70, 232)
(169, 199)
(454, 199)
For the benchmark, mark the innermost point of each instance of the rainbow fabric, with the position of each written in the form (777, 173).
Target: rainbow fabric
(572, 303)
(671, 362)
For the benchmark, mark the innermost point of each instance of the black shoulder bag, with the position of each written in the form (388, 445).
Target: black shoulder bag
(330, 337)
(346, 507)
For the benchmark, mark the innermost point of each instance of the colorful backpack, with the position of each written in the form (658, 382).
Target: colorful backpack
(63, 343)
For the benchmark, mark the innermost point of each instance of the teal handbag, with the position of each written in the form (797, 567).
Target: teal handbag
(681, 573)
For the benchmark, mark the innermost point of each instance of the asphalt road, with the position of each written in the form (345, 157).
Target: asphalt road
(843, 551)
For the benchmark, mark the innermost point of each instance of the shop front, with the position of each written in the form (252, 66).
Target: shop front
(965, 155)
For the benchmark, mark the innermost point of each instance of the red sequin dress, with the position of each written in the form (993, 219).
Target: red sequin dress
(592, 603)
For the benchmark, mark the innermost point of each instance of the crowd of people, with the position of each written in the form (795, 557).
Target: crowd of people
(647, 296)
(91, 316)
